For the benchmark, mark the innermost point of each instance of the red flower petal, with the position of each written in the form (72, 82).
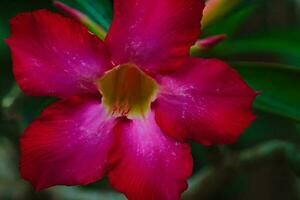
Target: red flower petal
(54, 55)
(149, 165)
(67, 144)
(156, 35)
(208, 102)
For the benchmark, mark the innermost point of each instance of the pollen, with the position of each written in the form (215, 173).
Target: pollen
(127, 91)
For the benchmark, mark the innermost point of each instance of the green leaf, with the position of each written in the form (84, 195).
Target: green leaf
(278, 84)
(229, 24)
(269, 127)
(283, 44)
(99, 11)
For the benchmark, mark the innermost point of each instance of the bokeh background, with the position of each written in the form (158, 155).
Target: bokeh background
(263, 44)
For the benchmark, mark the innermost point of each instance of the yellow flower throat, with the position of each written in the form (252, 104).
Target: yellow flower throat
(127, 91)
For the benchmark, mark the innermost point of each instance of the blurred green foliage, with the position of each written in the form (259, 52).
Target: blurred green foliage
(263, 45)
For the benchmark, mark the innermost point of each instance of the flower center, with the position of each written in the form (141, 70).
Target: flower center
(127, 91)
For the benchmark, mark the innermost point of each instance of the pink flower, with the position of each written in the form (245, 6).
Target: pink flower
(144, 60)
(209, 42)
